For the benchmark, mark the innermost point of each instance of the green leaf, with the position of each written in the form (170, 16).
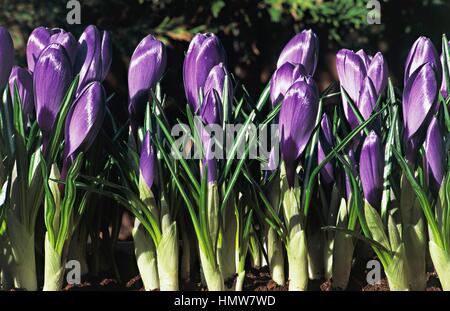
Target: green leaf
(375, 225)
(421, 196)
(216, 7)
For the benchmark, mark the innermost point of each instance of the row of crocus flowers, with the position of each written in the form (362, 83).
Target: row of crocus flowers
(367, 176)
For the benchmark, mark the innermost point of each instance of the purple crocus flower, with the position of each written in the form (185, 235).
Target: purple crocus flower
(205, 51)
(419, 103)
(302, 49)
(94, 56)
(434, 156)
(51, 79)
(371, 169)
(147, 161)
(84, 119)
(210, 114)
(422, 51)
(326, 143)
(41, 37)
(282, 80)
(353, 69)
(216, 80)
(147, 66)
(24, 81)
(83, 122)
(6, 57)
(297, 119)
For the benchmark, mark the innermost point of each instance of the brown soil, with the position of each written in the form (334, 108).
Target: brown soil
(256, 280)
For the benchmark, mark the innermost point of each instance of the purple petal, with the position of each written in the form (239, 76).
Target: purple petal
(435, 156)
(422, 51)
(106, 52)
(419, 98)
(282, 80)
(216, 80)
(147, 66)
(24, 81)
(211, 114)
(371, 169)
(365, 58)
(68, 41)
(51, 79)
(297, 118)
(378, 73)
(351, 71)
(205, 51)
(147, 161)
(326, 143)
(302, 49)
(367, 99)
(85, 119)
(6, 57)
(89, 61)
(37, 42)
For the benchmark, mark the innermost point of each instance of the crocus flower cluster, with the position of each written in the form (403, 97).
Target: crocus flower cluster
(366, 178)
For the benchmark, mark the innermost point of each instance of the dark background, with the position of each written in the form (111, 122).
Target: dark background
(253, 32)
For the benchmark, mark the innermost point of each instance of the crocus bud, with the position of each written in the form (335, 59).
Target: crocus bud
(51, 79)
(371, 169)
(24, 81)
(419, 102)
(302, 49)
(210, 114)
(147, 161)
(324, 147)
(205, 51)
(297, 119)
(216, 80)
(434, 156)
(93, 56)
(282, 80)
(422, 51)
(6, 57)
(84, 119)
(444, 90)
(147, 66)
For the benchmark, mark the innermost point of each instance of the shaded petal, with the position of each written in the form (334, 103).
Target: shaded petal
(51, 79)
(371, 169)
(435, 156)
(6, 57)
(106, 54)
(297, 118)
(365, 58)
(147, 161)
(24, 81)
(302, 49)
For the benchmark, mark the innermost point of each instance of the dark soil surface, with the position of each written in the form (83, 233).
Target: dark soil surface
(256, 280)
